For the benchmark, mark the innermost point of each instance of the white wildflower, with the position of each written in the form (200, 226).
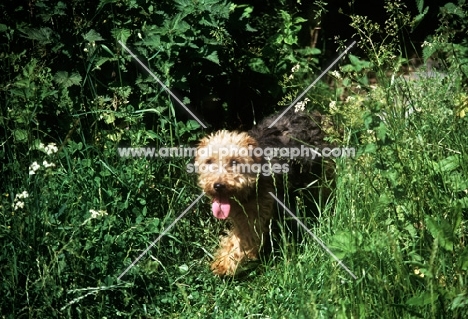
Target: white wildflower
(46, 165)
(349, 99)
(24, 194)
(426, 44)
(51, 149)
(18, 205)
(33, 168)
(336, 74)
(97, 213)
(295, 68)
(300, 106)
(332, 106)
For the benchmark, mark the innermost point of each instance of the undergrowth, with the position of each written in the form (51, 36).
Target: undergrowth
(74, 214)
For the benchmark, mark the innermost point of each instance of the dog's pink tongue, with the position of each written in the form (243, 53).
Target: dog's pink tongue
(221, 208)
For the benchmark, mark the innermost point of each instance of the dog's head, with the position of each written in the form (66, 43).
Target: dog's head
(227, 169)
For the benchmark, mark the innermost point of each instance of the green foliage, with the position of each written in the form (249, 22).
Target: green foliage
(74, 214)
(450, 41)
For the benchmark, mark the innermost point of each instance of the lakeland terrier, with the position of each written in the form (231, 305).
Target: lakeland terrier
(237, 170)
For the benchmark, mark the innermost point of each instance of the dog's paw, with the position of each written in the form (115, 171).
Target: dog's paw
(224, 266)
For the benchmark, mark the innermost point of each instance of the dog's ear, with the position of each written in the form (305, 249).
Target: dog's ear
(203, 142)
(252, 145)
(202, 148)
(251, 142)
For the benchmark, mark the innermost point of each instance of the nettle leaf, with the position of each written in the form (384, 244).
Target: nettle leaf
(442, 231)
(367, 117)
(448, 164)
(419, 17)
(64, 79)
(463, 202)
(381, 132)
(420, 5)
(43, 35)
(424, 298)
(249, 28)
(20, 135)
(345, 243)
(192, 125)
(429, 51)
(258, 65)
(452, 8)
(356, 64)
(460, 302)
(92, 36)
(153, 41)
(102, 3)
(121, 34)
(368, 149)
(213, 57)
(463, 259)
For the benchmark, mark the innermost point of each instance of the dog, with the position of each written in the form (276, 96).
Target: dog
(236, 172)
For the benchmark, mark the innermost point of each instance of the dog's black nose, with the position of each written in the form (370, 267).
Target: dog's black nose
(219, 187)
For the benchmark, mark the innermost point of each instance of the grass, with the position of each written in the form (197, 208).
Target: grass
(397, 218)
(398, 221)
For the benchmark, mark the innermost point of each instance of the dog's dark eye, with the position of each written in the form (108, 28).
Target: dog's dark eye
(208, 162)
(232, 163)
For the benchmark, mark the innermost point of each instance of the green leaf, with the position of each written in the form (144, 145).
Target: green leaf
(428, 51)
(151, 134)
(460, 302)
(92, 36)
(153, 41)
(368, 149)
(368, 119)
(20, 135)
(424, 298)
(102, 3)
(419, 17)
(213, 57)
(258, 65)
(381, 132)
(249, 28)
(442, 231)
(463, 202)
(451, 8)
(183, 268)
(345, 243)
(247, 12)
(121, 34)
(42, 35)
(463, 259)
(192, 125)
(356, 64)
(63, 79)
(420, 5)
(448, 164)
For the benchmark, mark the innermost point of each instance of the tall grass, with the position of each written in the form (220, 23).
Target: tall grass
(74, 215)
